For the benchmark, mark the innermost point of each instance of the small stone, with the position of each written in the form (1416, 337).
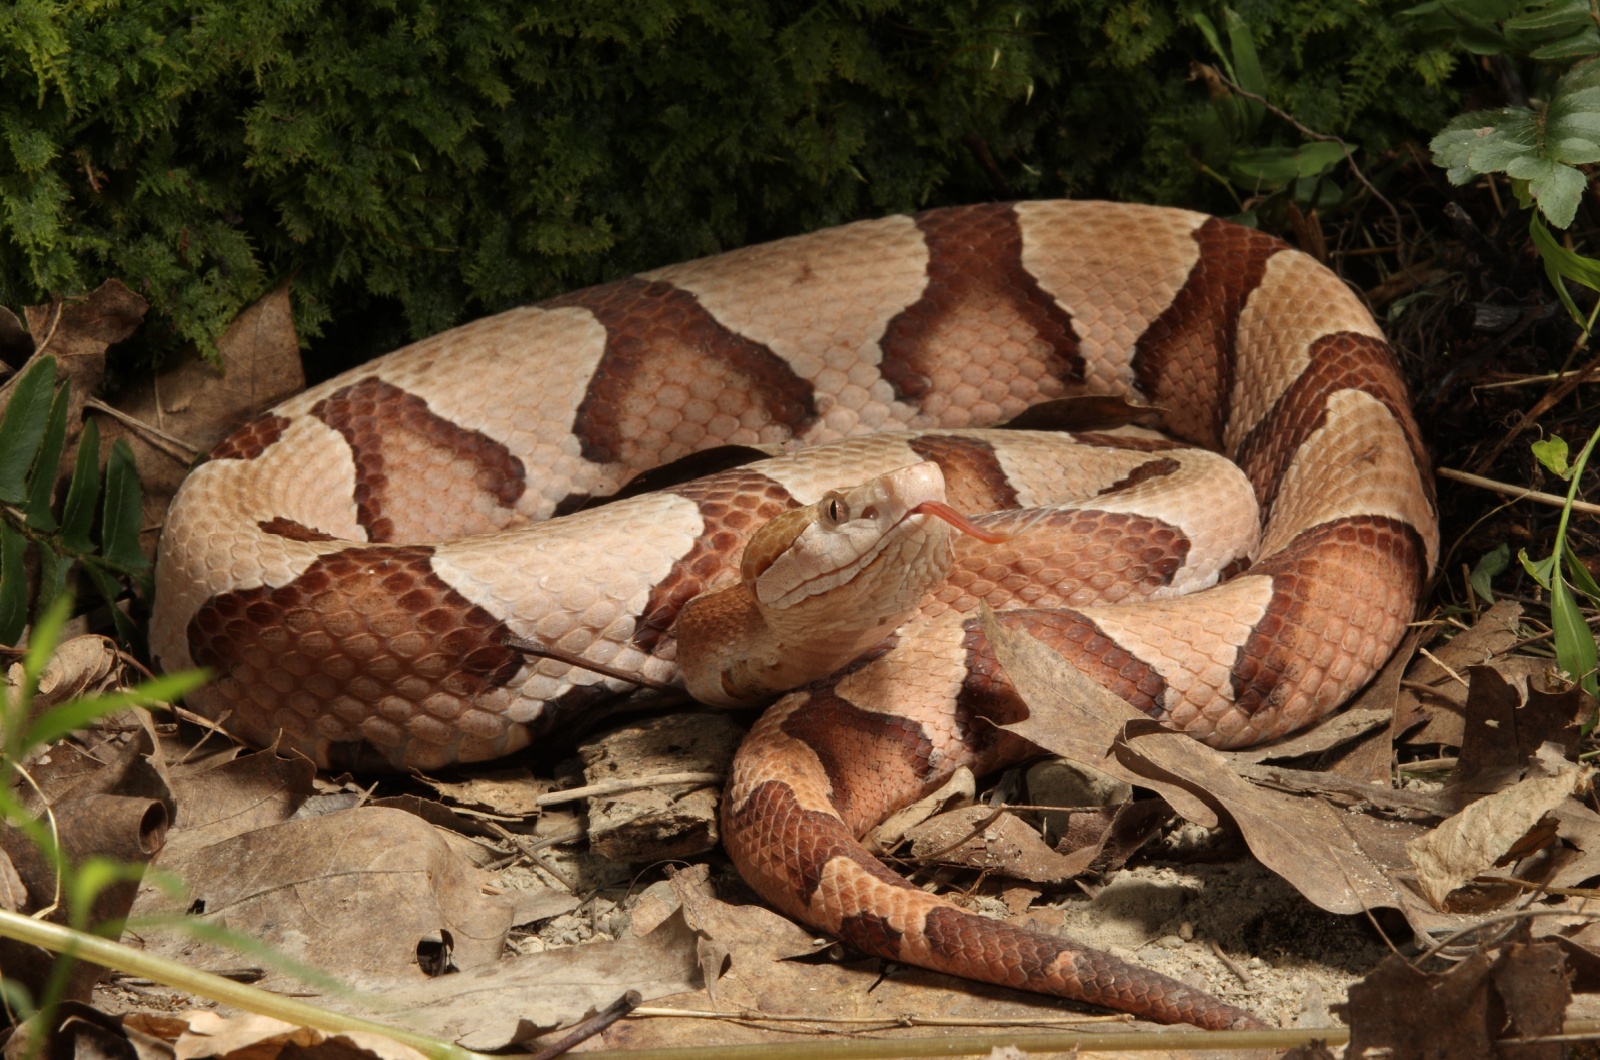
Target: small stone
(1170, 942)
(1186, 931)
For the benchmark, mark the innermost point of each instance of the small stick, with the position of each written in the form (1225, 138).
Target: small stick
(592, 1026)
(612, 787)
(1441, 664)
(1233, 966)
(171, 444)
(1521, 493)
(545, 651)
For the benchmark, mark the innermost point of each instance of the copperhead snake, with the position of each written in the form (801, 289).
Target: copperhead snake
(351, 563)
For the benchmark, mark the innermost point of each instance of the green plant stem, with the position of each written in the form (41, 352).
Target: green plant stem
(124, 959)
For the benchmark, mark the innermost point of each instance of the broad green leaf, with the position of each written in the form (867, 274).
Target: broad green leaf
(1208, 30)
(119, 529)
(1245, 60)
(1579, 574)
(42, 490)
(77, 515)
(1552, 453)
(23, 425)
(1484, 571)
(13, 584)
(1575, 644)
(1269, 167)
(1319, 157)
(1582, 45)
(1541, 146)
(1538, 570)
(1547, 23)
(1556, 187)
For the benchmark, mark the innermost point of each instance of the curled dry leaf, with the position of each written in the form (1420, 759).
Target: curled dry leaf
(1475, 839)
(982, 837)
(960, 789)
(81, 666)
(253, 1037)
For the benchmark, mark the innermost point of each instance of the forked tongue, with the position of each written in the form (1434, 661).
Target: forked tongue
(941, 510)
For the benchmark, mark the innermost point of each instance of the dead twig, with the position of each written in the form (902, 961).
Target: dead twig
(613, 787)
(591, 1026)
(1521, 493)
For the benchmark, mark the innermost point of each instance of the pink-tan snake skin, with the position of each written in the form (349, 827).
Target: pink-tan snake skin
(351, 563)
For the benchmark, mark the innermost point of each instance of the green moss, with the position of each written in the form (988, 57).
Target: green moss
(453, 159)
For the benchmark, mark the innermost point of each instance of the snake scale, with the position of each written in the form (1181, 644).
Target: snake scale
(351, 563)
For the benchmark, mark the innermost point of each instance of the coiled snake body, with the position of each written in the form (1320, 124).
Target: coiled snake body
(351, 563)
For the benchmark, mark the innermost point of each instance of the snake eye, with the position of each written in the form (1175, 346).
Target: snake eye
(835, 509)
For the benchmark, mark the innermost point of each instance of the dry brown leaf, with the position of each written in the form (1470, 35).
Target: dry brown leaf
(1342, 862)
(1076, 718)
(510, 1001)
(509, 792)
(1472, 841)
(80, 666)
(982, 837)
(1441, 710)
(253, 1037)
(77, 334)
(1401, 1011)
(961, 788)
(352, 893)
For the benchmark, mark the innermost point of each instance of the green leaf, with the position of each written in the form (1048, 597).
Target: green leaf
(1484, 571)
(1575, 643)
(77, 516)
(1556, 187)
(13, 584)
(23, 425)
(1552, 453)
(1245, 59)
(53, 568)
(1579, 574)
(110, 589)
(1541, 147)
(119, 530)
(1274, 167)
(42, 490)
(1563, 264)
(77, 713)
(1538, 570)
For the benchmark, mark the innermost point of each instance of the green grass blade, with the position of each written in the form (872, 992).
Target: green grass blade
(77, 515)
(42, 490)
(78, 713)
(119, 532)
(1575, 644)
(22, 427)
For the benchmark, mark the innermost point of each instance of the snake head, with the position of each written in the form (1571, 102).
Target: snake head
(857, 559)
